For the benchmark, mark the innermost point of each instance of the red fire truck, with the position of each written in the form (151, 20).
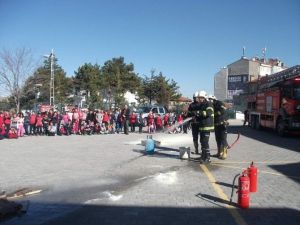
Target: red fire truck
(275, 102)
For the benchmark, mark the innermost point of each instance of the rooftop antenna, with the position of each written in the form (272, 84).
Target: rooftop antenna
(244, 49)
(264, 50)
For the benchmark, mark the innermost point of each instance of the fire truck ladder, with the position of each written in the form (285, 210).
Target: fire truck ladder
(280, 76)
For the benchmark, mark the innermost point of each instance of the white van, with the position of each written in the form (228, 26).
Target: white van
(158, 110)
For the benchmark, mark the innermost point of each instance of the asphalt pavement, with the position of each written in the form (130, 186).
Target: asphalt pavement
(108, 179)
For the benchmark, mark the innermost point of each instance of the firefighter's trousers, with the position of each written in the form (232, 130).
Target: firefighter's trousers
(195, 133)
(204, 140)
(221, 136)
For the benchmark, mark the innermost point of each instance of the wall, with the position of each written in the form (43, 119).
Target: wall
(220, 84)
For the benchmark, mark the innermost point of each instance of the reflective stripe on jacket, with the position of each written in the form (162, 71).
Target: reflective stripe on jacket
(206, 116)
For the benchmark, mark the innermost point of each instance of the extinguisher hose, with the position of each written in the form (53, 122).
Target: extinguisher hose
(237, 139)
(233, 186)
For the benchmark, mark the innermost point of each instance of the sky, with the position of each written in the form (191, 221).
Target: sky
(188, 41)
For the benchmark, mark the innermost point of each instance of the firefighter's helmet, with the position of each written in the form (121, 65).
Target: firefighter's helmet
(202, 94)
(212, 97)
(195, 95)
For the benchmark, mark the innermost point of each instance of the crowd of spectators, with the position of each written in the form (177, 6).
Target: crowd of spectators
(80, 122)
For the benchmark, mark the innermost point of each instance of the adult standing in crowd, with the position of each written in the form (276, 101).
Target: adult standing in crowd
(26, 122)
(126, 116)
(90, 116)
(140, 122)
(246, 117)
(119, 123)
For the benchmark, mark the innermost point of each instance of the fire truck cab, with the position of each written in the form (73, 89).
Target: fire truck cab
(275, 102)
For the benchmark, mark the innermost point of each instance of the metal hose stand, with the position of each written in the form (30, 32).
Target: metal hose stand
(233, 186)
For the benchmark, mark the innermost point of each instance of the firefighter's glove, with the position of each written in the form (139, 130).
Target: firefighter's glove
(201, 113)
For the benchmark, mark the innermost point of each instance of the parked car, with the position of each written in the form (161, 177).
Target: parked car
(158, 110)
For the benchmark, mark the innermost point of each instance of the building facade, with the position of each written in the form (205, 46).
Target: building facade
(232, 81)
(239, 73)
(220, 84)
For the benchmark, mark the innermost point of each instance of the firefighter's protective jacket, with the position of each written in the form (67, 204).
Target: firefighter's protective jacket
(204, 114)
(219, 113)
(192, 112)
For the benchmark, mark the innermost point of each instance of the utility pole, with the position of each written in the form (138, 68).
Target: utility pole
(52, 79)
(51, 57)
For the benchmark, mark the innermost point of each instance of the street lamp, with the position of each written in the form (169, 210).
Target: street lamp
(51, 58)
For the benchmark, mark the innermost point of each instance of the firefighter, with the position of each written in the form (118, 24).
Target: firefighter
(194, 123)
(220, 124)
(205, 114)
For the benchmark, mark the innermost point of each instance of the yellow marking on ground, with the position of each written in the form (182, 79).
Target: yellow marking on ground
(233, 211)
(260, 171)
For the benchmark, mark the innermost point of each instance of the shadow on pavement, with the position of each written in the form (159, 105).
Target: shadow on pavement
(125, 215)
(268, 137)
(159, 152)
(290, 170)
(215, 200)
(226, 184)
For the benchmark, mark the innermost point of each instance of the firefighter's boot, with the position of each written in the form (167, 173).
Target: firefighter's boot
(202, 158)
(205, 156)
(207, 159)
(221, 152)
(196, 147)
(218, 154)
(224, 153)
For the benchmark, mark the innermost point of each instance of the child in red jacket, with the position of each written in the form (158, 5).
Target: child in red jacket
(158, 122)
(32, 122)
(132, 120)
(39, 124)
(1, 119)
(12, 133)
(2, 131)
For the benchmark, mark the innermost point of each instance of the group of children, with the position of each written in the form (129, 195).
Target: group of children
(170, 121)
(78, 122)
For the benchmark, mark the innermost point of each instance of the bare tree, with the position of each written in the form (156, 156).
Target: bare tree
(15, 67)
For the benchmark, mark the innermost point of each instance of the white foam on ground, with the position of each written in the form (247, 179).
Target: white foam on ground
(166, 139)
(175, 139)
(155, 166)
(91, 201)
(166, 178)
(133, 142)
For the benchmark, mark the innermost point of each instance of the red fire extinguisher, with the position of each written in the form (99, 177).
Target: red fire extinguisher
(252, 172)
(243, 190)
